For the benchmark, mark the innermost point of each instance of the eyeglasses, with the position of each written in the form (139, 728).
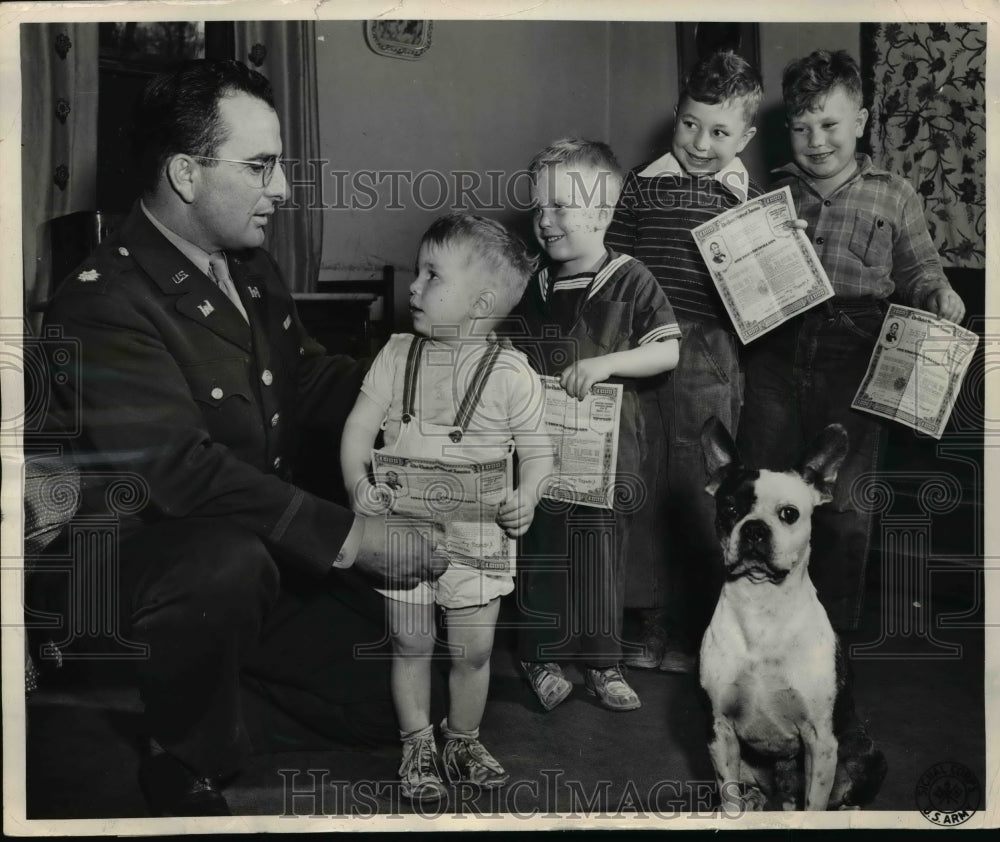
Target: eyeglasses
(265, 168)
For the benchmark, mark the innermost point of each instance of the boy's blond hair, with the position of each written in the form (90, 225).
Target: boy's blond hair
(594, 155)
(507, 260)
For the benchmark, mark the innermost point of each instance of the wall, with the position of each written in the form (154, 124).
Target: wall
(486, 97)
(780, 43)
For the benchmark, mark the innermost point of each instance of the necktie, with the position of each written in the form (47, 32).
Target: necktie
(224, 281)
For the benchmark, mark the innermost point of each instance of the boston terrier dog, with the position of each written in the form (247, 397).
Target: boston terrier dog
(784, 730)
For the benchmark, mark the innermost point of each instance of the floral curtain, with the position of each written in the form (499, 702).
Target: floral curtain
(928, 124)
(285, 52)
(59, 148)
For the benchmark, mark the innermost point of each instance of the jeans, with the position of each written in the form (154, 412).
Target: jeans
(800, 378)
(674, 538)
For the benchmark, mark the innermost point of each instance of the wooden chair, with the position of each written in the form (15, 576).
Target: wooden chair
(352, 316)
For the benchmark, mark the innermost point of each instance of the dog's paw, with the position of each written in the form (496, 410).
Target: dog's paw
(753, 800)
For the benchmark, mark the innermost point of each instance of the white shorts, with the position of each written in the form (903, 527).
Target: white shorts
(458, 587)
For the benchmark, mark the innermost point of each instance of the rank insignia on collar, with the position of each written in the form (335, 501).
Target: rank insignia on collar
(179, 277)
(206, 308)
(88, 275)
(254, 292)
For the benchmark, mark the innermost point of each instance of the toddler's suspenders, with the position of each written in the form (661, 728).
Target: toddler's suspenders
(472, 394)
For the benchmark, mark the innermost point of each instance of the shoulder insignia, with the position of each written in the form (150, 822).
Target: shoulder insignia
(88, 275)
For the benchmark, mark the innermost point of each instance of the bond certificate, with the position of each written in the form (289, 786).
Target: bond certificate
(765, 271)
(585, 434)
(462, 497)
(916, 370)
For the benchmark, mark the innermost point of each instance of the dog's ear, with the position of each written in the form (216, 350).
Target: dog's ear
(720, 452)
(822, 460)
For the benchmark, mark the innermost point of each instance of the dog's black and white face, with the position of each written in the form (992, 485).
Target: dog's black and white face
(763, 518)
(763, 522)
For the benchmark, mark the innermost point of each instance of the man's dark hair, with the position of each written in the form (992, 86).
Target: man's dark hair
(809, 79)
(725, 77)
(178, 112)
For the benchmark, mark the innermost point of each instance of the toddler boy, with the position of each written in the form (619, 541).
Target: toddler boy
(451, 394)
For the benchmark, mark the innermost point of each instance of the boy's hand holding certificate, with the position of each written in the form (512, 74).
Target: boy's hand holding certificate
(916, 369)
(585, 433)
(765, 270)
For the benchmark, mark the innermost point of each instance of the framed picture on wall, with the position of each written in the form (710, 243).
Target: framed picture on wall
(697, 40)
(408, 39)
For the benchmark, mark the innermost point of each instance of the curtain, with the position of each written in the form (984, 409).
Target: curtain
(928, 123)
(59, 141)
(285, 52)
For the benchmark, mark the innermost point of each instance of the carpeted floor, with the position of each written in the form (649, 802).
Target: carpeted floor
(920, 689)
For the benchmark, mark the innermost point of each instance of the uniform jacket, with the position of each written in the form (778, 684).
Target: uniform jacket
(174, 388)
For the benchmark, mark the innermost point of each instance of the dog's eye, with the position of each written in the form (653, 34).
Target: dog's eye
(728, 509)
(788, 514)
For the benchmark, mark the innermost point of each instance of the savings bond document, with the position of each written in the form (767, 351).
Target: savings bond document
(463, 497)
(765, 271)
(916, 369)
(585, 434)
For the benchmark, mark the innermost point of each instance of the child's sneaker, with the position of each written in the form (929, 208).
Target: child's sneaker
(548, 682)
(466, 760)
(611, 689)
(418, 771)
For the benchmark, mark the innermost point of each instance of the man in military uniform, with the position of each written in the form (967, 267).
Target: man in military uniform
(195, 379)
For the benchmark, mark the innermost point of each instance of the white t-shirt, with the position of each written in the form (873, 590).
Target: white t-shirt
(512, 400)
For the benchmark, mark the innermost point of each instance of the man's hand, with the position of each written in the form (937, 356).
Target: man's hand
(579, 377)
(946, 304)
(400, 553)
(516, 513)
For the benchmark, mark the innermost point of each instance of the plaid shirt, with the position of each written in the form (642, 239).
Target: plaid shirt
(870, 234)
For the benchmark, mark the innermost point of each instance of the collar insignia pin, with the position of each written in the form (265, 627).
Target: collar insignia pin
(206, 308)
(180, 276)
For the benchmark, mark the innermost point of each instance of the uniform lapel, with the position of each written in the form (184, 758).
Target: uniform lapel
(198, 298)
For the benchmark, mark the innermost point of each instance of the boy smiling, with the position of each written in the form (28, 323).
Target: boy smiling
(867, 226)
(699, 178)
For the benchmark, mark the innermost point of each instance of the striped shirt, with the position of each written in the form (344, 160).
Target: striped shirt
(659, 206)
(870, 234)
